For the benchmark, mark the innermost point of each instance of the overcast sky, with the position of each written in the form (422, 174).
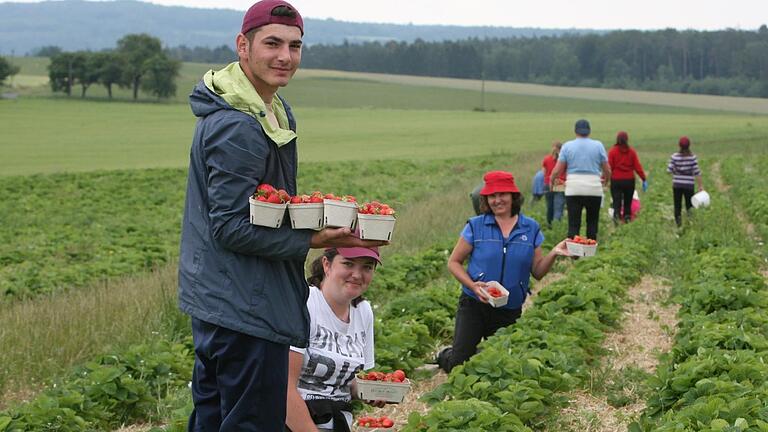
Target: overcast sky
(596, 14)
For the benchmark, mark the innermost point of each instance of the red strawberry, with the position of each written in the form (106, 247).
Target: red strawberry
(274, 199)
(264, 189)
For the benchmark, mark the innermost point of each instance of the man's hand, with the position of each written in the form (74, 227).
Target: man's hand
(340, 237)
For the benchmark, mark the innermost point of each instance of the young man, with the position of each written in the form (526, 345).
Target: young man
(243, 285)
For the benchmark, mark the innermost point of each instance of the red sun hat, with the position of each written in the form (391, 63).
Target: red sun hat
(260, 14)
(684, 142)
(498, 181)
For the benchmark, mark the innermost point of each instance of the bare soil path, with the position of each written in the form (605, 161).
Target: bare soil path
(647, 331)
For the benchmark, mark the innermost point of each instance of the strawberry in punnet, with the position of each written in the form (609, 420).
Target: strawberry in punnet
(375, 422)
(267, 193)
(284, 196)
(264, 190)
(376, 208)
(397, 376)
(583, 240)
(494, 292)
(297, 199)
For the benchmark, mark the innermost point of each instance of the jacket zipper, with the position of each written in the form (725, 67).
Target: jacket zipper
(503, 262)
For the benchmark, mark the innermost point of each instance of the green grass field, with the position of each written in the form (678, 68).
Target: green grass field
(43, 135)
(344, 116)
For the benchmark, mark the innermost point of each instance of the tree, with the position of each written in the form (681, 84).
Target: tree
(136, 50)
(160, 78)
(47, 51)
(83, 71)
(108, 66)
(7, 69)
(61, 71)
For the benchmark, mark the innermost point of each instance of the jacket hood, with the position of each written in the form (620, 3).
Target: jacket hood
(623, 149)
(230, 89)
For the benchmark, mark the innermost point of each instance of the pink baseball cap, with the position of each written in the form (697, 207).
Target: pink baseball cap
(260, 14)
(360, 252)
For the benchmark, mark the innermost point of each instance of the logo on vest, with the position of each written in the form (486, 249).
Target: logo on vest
(524, 237)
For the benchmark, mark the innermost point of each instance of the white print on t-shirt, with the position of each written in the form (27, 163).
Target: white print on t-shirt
(337, 350)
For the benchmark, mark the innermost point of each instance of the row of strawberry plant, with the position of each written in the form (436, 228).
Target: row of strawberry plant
(107, 392)
(749, 188)
(523, 369)
(62, 231)
(716, 377)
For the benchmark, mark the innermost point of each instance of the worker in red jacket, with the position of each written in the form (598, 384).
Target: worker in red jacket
(624, 164)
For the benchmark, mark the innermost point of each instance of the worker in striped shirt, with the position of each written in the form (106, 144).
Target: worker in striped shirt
(685, 174)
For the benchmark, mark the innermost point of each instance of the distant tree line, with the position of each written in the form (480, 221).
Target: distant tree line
(219, 55)
(7, 70)
(729, 62)
(138, 62)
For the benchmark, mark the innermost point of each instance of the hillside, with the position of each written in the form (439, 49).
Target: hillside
(88, 25)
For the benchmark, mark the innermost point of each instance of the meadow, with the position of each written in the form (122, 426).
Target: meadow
(92, 192)
(344, 119)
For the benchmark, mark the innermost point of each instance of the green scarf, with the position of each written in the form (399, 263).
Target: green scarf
(233, 86)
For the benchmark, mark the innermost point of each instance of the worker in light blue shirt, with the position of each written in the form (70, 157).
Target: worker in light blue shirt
(586, 162)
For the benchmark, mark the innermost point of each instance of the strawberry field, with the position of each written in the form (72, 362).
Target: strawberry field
(91, 338)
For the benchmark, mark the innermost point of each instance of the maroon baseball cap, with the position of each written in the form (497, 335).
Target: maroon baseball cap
(360, 252)
(260, 14)
(684, 142)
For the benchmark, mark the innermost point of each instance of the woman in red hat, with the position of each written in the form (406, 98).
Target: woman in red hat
(624, 164)
(504, 246)
(321, 376)
(685, 172)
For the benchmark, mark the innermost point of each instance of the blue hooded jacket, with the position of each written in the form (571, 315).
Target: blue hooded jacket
(233, 274)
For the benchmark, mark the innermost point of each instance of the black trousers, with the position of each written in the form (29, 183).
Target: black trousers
(577, 203)
(621, 194)
(475, 321)
(678, 193)
(239, 382)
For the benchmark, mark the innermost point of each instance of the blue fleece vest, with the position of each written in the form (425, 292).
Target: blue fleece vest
(507, 261)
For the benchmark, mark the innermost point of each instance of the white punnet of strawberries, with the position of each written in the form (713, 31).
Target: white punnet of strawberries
(376, 208)
(267, 193)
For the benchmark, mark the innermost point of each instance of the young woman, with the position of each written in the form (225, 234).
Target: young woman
(624, 164)
(685, 173)
(555, 190)
(321, 377)
(502, 245)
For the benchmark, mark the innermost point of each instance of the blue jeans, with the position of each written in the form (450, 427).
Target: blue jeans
(239, 382)
(555, 206)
